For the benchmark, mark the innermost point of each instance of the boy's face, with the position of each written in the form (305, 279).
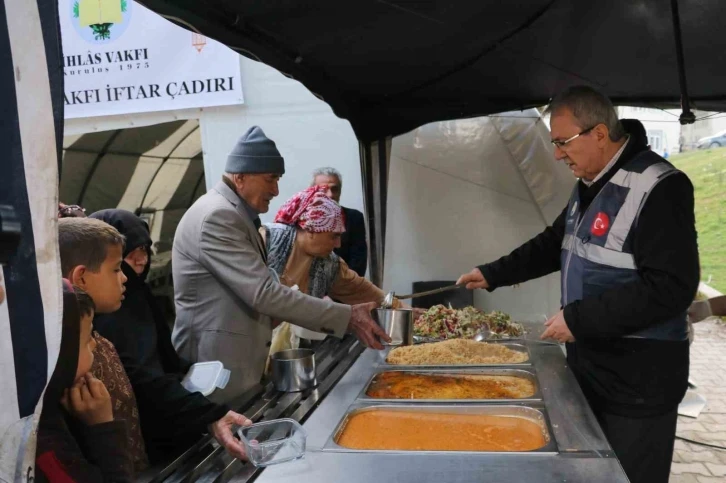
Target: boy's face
(106, 286)
(88, 345)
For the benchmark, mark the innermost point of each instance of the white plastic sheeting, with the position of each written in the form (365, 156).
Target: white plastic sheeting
(463, 193)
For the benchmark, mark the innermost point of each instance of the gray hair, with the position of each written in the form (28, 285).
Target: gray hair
(589, 107)
(328, 172)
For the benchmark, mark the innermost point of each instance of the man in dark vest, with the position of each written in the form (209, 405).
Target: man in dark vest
(353, 246)
(626, 248)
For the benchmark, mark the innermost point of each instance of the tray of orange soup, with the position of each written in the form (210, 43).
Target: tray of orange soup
(481, 385)
(495, 429)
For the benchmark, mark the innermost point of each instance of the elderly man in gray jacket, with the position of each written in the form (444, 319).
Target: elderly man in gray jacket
(225, 296)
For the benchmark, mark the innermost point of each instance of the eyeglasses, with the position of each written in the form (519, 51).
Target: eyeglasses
(562, 144)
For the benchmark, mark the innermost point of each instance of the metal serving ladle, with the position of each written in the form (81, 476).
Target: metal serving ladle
(388, 300)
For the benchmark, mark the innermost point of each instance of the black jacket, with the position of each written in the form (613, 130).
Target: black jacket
(623, 375)
(67, 449)
(353, 246)
(171, 417)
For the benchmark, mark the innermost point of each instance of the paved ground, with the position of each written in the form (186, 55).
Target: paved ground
(693, 463)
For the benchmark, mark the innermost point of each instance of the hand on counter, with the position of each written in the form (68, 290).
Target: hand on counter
(473, 279)
(365, 328)
(222, 430)
(557, 329)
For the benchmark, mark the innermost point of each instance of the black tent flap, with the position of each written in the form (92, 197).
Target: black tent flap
(391, 66)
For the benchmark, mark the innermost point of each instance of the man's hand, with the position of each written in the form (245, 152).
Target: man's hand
(699, 310)
(557, 329)
(223, 429)
(473, 279)
(365, 328)
(89, 401)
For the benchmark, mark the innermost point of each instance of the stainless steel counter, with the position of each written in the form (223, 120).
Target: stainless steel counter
(582, 452)
(206, 461)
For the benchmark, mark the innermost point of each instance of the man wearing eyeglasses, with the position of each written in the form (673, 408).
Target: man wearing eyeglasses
(353, 245)
(626, 249)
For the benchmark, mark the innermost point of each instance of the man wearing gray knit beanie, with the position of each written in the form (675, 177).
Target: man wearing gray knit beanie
(225, 296)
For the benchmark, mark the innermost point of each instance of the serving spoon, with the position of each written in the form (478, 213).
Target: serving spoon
(388, 300)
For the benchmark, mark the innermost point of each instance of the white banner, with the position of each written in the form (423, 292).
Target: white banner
(121, 58)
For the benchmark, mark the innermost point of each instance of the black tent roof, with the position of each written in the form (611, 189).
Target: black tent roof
(389, 66)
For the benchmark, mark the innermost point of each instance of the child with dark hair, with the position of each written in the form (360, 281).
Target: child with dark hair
(78, 438)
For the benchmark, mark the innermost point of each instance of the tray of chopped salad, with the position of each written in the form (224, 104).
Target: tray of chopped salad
(442, 323)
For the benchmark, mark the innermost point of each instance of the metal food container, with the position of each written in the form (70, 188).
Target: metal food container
(511, 345)
(532, 413)
(293, 370)
(397, 323)
(527, 374)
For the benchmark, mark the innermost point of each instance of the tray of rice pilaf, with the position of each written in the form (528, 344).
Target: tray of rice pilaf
(440, 323)
(459, 352)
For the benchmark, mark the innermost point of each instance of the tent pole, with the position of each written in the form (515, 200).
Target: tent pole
(687, 117)
(366, 165)
(383, 201)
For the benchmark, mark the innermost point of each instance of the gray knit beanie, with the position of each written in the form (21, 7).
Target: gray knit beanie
(255, 153)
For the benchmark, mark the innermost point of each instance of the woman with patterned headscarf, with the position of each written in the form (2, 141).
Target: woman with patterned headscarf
(300, 250)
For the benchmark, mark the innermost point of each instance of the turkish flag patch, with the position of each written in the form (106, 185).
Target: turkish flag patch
(600, 224)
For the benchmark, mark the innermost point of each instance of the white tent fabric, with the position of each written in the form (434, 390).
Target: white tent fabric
(463, 193)
(30, 317)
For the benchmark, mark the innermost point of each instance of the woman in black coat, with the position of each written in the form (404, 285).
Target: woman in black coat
(172, 418)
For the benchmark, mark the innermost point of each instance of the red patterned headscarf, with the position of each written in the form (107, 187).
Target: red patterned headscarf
(312, 210)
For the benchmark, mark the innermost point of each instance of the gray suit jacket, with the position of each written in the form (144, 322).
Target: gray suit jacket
(225, 295)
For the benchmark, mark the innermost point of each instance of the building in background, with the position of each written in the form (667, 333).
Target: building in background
(661, 126)
(665, 133)
(709, 123)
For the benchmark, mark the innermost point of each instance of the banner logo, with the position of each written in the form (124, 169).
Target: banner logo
(100, 21)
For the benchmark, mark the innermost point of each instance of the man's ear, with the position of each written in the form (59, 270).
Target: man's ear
(239, 180)
(602, 133)
(77, 276)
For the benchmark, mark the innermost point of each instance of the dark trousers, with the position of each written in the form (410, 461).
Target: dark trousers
(644, 446)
